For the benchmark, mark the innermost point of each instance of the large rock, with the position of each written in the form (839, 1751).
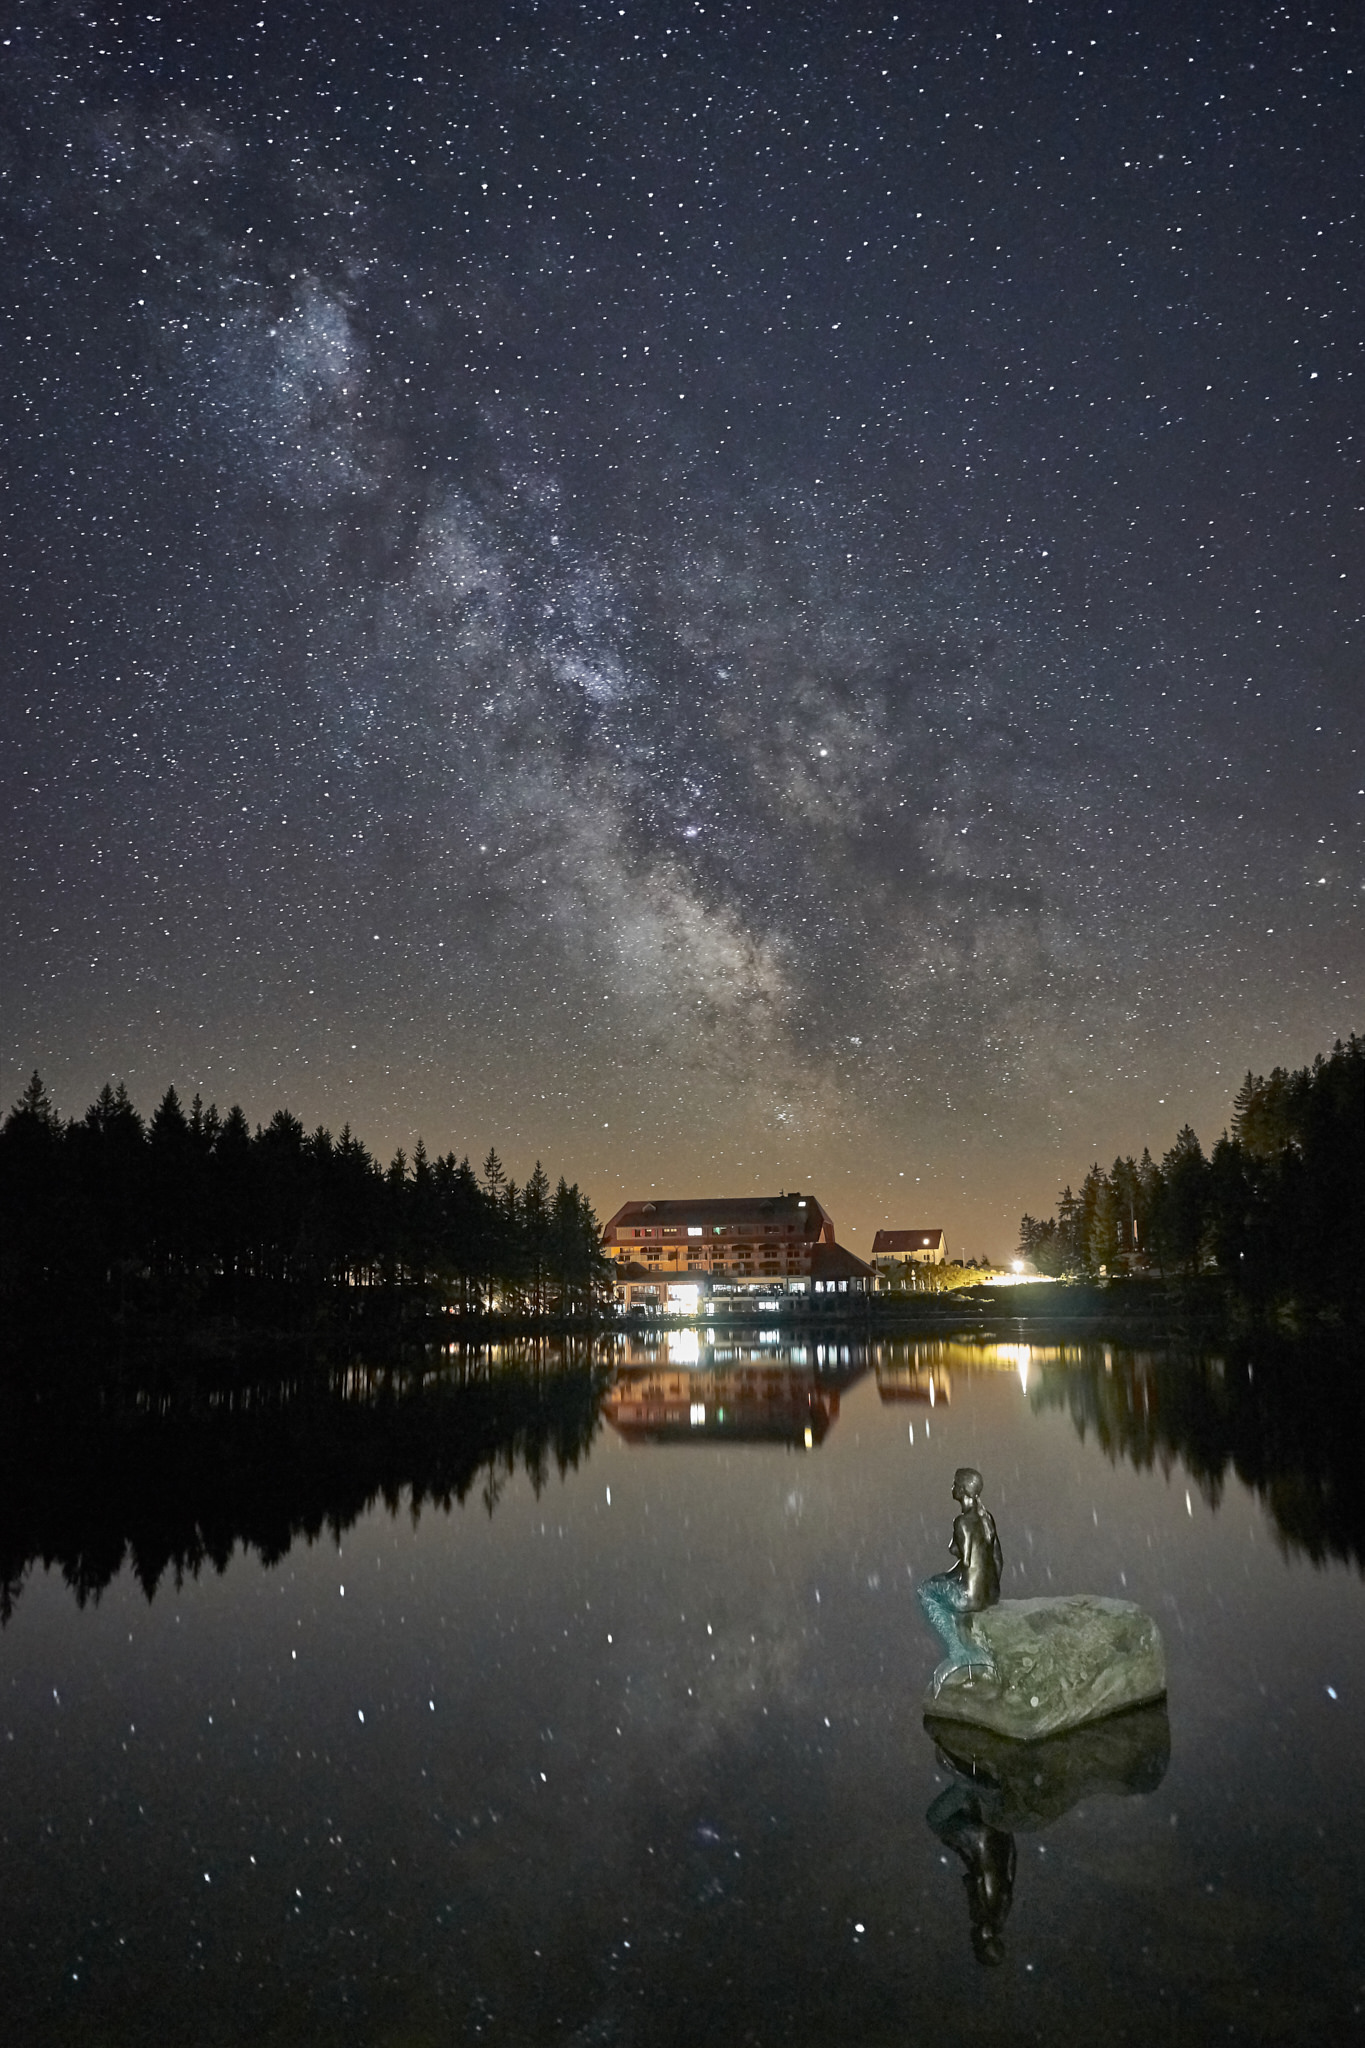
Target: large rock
(1058, 1664)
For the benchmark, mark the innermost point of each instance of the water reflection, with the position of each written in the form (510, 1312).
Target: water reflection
(173, 1476)
(1005, 1788)
(174, 1482)
(703, 1384)
(914, 1379)
(630, 1763)
(957, 1819)
(1288, 1420)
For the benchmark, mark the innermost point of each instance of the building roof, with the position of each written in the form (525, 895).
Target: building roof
(835, 1262)
(907, 1241)
(749, 1212)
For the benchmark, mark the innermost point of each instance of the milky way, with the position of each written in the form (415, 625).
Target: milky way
(727, 595)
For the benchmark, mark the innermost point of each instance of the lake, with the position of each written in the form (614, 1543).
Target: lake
(572, 1693)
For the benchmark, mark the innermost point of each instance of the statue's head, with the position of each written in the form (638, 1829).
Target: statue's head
(967, 1485)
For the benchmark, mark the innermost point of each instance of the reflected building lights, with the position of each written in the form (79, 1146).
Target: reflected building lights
(1019, 1356)
(738, 1392)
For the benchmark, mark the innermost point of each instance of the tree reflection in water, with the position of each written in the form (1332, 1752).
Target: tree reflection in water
(171, 1476)
(174, 1482)
(1287, 1420)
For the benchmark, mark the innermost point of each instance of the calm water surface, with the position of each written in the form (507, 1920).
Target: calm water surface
(583, 1705)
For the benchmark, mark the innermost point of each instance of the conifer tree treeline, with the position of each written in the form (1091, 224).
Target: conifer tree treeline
(1277, 1208)
(194, 1207)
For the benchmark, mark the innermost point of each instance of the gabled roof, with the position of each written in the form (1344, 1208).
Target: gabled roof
(836, 1262)
(748, 1211)
(907, 1241)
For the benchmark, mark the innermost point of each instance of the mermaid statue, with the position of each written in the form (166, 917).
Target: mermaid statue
(973, 1583)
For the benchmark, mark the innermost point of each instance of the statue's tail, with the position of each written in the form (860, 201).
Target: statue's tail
(938, 1598)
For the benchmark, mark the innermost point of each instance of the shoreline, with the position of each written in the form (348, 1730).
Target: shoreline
(103, 1348)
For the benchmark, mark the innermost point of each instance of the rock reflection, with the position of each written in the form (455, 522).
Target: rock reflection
(1005, 1788)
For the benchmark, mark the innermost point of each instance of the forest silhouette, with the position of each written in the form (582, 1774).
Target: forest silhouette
(1276, 1210)
(189, 1215)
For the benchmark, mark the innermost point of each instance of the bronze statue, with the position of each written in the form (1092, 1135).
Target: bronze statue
(973, 1582)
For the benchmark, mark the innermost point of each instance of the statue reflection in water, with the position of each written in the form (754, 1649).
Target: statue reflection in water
(957, 1819)
(1002, 1788)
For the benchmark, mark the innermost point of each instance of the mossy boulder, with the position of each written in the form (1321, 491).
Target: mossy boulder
(1058, 1664)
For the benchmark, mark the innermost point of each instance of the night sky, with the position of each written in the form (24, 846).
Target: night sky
(732, 596)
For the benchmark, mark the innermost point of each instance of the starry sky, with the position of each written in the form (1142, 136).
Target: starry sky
(732, 596)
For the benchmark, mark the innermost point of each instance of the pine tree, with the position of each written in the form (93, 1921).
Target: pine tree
(535, 1230)
(1102, 1238)
(33, 1110)
(1183, 1211)
(1148, 1194)
(173, 1190)
(1091, 1190)
(1068, 1232)
(1123, 1179)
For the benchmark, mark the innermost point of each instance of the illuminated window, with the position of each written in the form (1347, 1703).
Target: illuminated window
(694, 1230)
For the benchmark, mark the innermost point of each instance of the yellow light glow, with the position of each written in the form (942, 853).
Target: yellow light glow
(1019, 1355)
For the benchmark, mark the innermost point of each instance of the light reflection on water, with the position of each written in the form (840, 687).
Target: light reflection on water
(631, 1627)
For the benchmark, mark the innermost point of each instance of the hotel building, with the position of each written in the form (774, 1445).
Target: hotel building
(674, 1255)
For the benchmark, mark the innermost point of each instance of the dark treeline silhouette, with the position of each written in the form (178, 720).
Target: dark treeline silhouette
(1277, 1208)
(1290, 1423)
(170, 1485)
(196, 1213)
